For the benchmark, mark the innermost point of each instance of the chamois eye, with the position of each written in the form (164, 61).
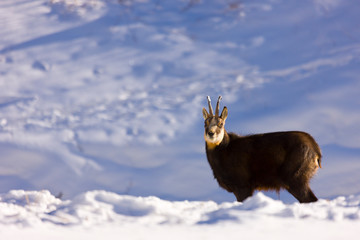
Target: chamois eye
(220, 125)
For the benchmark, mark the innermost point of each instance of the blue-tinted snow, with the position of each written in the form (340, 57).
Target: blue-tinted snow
(108, 94)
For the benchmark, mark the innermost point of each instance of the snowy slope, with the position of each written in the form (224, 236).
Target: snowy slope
(107, 94)
(100, 214)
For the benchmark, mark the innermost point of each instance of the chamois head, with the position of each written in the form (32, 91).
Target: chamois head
(214, 124)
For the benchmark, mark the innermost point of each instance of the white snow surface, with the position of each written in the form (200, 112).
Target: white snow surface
(107, 94)
(100, 214)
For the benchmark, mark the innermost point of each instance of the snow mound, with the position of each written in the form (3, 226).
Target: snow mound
(94, 208)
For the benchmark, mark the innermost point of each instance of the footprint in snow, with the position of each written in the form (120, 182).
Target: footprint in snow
(41, 66)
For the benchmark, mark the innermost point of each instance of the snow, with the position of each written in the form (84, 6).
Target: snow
(107, 94)
(99, 214)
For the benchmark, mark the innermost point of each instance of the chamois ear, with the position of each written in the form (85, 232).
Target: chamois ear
(224, 113)
(205, 113)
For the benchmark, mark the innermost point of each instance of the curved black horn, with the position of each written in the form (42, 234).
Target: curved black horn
(217, 106)
(210, 107)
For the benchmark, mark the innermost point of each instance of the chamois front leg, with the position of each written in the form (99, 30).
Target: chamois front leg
(243, 193)
(302, 192)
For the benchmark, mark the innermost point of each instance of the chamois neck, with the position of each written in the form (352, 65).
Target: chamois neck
(226, 139)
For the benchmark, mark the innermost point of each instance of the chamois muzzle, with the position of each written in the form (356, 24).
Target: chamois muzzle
(211, 134)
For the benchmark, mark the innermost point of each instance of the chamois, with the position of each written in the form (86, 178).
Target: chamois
(268, 161)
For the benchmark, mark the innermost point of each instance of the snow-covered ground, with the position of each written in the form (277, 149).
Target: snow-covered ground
(100, 214)
(107, 94)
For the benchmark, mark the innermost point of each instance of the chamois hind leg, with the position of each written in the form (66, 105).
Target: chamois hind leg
(297, 173)
(302, 192)
(243, 193)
